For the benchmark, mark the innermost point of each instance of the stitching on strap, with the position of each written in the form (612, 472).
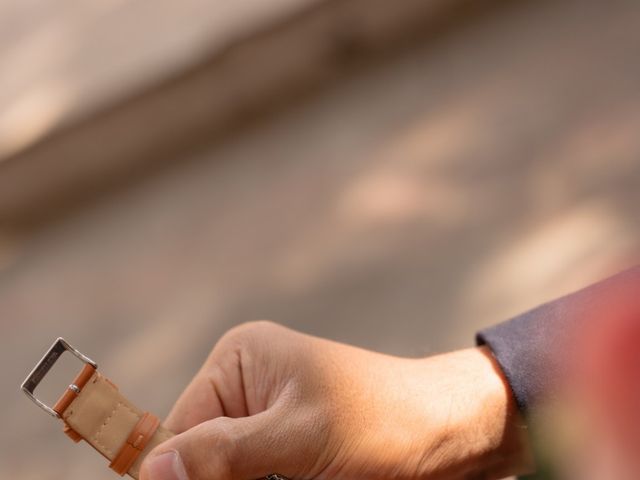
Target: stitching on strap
(104, 424)
(96, 437)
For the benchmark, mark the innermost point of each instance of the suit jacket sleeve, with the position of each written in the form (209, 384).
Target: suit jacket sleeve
(534, 348)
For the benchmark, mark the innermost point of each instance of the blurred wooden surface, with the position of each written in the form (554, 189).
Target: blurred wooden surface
(63, 60)
(419, 198)
(95, 95)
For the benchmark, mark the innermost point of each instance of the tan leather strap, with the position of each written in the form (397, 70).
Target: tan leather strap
(110, 423)
(135, 444)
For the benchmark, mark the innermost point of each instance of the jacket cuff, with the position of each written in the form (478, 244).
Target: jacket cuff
(521, 348)
(535, 349)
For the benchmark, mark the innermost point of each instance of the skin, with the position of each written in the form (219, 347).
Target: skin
(269, 399)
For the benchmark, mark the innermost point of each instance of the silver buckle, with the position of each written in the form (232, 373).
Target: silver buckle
(43, 367)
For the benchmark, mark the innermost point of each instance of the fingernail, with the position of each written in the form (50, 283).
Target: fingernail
(167, 466)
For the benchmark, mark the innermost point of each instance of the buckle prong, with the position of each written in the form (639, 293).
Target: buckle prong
(44, 365)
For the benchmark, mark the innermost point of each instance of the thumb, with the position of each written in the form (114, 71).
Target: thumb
(227, 449)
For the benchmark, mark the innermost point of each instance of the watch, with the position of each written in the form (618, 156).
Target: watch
(93, 409)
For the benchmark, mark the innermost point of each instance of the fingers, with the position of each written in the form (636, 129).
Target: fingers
(217, 390)
(231, 449)
(236, 420)
(198, 403)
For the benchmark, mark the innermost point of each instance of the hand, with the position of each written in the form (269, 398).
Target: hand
(271, 400)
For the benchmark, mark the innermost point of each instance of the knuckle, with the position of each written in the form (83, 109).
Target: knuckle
(247, 337)
(250, 330)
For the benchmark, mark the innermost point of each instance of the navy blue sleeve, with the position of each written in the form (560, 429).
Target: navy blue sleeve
(521, 347)
(532, 348)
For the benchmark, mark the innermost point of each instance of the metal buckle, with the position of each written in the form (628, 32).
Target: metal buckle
(43, 367)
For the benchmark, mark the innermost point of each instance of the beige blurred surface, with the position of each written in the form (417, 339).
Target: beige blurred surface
(217, 69)
(446, 188)
(67, 59)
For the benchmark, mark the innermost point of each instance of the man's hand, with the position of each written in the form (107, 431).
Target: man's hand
(271, 400)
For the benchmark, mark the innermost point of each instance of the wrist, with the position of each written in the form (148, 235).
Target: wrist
(477, 431)
(492, 428)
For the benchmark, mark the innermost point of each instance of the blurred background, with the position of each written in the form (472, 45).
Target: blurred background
(394, 175)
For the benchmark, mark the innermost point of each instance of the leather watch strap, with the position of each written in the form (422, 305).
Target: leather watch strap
(94, 410)
(138, 439)
(102, 416)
